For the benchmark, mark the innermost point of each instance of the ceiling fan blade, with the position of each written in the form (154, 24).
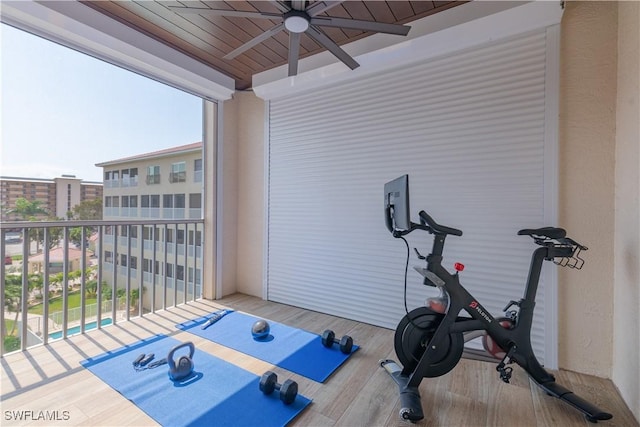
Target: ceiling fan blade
(224, 12)
(254, 41)
(321, 6)
(282, 5)
(356, 24)
(294, 52)
(298, 4)
(332, 47)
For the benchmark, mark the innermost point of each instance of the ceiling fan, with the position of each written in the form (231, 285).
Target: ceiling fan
(297, 17)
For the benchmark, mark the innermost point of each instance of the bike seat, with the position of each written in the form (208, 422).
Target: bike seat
(550, 232)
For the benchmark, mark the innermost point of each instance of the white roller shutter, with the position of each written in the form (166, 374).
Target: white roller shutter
(469, 128)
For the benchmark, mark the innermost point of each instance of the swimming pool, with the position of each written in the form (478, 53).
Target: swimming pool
(76, 329)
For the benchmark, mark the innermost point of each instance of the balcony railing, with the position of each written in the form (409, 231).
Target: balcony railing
(53, 288)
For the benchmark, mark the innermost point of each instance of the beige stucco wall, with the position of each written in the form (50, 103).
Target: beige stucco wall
(243, 182)
(586, 194)
(626, 330)
(227, 213)
(251, 167)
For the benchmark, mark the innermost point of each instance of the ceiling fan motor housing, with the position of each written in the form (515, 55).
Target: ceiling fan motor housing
(296, 21)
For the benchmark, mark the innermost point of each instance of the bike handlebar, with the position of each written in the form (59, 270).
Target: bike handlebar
(425, 219)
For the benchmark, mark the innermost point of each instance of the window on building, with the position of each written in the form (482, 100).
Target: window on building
(190, 272)
(153, 175)
(195, 238)
(178, 201)
(144, 201)
(180, 236)
(195, 201)
(180, 272)
(178, 172)
(167, 201)
(108, 257)
(129, 177)
(68, 197)
(111, 179)
(197, 170)
(154, 199)
(146, 232)
(147, 265)
(169, 270)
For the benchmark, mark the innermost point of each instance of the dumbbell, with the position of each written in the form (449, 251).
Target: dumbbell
(329, 337)
(288, 389)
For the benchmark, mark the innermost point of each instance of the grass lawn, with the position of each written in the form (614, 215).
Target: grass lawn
(55, 304)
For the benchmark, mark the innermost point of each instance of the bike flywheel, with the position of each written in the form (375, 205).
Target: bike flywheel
(412, 336)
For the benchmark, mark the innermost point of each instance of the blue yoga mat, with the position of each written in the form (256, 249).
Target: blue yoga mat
(218, 393)
(293, 349)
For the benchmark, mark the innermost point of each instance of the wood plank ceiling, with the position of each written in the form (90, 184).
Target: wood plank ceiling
(208, 39)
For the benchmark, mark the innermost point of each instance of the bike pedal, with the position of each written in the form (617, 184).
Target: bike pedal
(505, 374)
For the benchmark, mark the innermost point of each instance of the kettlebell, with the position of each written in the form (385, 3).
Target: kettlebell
(184, 366)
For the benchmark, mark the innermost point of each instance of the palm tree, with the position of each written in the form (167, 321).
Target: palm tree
(36, 281)
(13, 297)
(27, 210)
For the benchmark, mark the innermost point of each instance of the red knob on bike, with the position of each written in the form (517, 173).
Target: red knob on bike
(458, 266)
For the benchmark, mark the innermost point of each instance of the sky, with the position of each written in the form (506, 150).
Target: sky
(62, 111)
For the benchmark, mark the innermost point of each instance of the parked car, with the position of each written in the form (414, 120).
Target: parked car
(8, 260)
(13, 237)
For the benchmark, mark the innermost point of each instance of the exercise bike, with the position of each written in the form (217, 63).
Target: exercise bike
(430, 340)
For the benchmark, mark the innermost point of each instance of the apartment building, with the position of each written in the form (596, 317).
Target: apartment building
(58, 195)
(159, 190)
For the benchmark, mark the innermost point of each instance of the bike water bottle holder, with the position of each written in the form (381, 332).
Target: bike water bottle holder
(574, 261)
(564, 251)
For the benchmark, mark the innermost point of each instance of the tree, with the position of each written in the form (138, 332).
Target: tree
(87, 210)
(27, 210)
(36, 281)
(75, 234)
(91, 288)
(13, 297)
(83, 211)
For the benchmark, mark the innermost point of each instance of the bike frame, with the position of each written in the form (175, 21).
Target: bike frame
(515, 341)
(460, 299)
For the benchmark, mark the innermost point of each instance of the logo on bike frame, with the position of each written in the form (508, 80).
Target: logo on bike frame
(481, 312)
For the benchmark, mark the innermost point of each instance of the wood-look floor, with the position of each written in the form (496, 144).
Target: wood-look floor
(360, 393)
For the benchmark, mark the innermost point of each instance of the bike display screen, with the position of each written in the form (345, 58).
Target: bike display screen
(396, 204)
